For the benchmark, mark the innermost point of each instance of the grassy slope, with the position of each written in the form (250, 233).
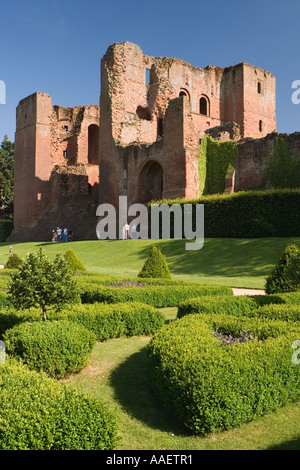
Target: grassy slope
(231, 262)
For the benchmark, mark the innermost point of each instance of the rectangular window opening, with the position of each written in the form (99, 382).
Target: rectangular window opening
(147, 76)
(259, 87)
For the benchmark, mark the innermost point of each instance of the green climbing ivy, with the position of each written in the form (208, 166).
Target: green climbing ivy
(283, 167)
(216, 161)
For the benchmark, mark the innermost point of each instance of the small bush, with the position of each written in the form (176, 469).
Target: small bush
(39, 413)
(155, 265)
(58, 348)
(14, 261)
(74, 262)
(285, 276)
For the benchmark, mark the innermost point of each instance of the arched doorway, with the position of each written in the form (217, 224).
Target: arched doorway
(150, 182)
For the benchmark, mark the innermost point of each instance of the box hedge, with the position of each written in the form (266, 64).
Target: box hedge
(157, 296)
(114, 320)
(104, 320)
(270, 213)
(243, 305)
(40, 413)
(59, 348)
(211, 386)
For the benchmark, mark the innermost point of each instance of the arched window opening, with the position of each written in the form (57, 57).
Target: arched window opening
(204, 106)
(184, 92)
(93, 144)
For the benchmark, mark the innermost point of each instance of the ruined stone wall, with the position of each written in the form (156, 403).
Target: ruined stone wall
(154, 113)
(253, 158)
(47, 139)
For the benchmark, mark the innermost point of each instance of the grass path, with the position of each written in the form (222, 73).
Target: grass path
(232, 262)
(117, 374)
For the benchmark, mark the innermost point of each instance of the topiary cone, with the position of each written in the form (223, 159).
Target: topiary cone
(155, 266)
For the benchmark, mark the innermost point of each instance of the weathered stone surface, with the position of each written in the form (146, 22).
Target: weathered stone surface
(142, 141)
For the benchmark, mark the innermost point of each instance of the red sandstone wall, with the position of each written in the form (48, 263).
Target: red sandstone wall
(253, 158)
(258, 106)
(41, 140)
(32, 162)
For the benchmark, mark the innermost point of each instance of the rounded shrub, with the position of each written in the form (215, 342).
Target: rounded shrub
(285, 276)
(39, 413)
(155, 265)
(58, 348)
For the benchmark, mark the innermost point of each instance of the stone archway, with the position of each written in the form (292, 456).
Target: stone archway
(150, 182)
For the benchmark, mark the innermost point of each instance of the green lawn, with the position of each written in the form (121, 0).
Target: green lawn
(117, 370)
(229, 262)
(117, 373)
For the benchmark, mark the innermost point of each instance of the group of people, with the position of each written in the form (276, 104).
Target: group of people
(62, 235)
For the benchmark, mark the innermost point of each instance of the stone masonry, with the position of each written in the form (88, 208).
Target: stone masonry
(141, 141)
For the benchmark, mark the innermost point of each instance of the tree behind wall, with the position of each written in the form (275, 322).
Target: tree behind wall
(6, 178)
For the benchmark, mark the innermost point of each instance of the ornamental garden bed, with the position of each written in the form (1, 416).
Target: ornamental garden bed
(212, 385)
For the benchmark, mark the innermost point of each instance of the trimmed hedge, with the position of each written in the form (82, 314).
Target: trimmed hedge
(59, 348)
(104, 320)
(86, 280)
(242, 305)
(114, 320)
(39, 413)
(246, 214)
(212, 387)
(280, 312)
(237, 305)
(157, 296)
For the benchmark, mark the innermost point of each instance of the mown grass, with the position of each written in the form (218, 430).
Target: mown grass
(117, 373)
(230, 262)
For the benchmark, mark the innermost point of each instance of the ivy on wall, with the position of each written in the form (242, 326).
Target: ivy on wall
(283, 167)
(216, 161)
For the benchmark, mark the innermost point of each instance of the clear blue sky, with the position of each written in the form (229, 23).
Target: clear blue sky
(56, 46)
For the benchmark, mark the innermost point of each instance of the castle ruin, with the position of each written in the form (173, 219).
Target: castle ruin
(142, 141)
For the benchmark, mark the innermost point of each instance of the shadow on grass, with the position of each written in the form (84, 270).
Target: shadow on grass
(133, 391)
(293, 444)
(223, 257)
